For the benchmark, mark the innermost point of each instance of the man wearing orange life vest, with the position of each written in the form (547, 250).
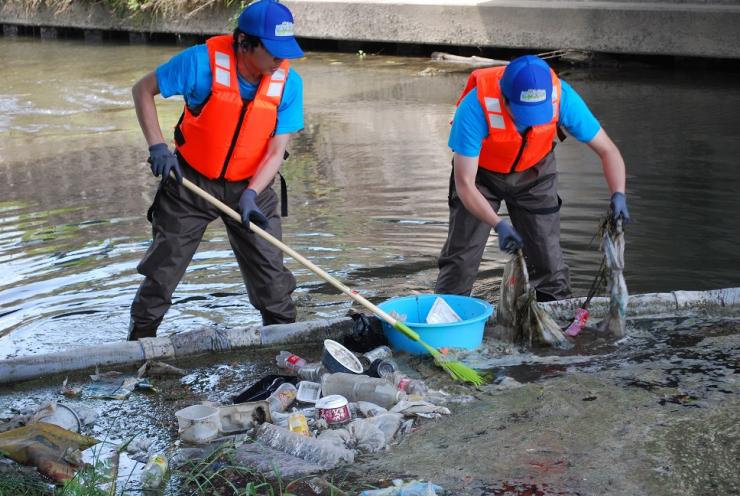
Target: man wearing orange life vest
(503, 140)
(242, 103)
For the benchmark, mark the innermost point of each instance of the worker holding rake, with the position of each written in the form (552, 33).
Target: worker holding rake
(242, 103)
(503, 139)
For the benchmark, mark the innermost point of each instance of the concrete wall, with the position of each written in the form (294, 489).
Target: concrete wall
(704, 28)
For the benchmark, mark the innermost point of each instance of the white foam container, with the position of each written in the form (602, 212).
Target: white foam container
(308, 392)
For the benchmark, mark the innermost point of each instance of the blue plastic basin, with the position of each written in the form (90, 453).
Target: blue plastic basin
(465, 334)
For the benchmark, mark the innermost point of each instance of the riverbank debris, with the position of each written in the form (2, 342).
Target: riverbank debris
(53, 450)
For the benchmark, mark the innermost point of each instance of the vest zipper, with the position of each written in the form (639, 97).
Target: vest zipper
(521, 150)
(234, 139)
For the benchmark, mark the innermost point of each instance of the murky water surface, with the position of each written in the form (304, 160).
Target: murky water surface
(368, 185)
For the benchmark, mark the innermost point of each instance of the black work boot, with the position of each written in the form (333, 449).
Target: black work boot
(136, 332)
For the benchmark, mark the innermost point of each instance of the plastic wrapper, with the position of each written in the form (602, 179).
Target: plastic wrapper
(369, 409)
(412, 488)
(419, 409)
(388, 423)
(367, 437)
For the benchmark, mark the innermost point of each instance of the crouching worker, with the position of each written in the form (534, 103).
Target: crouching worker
(503, 139)
(242, 103)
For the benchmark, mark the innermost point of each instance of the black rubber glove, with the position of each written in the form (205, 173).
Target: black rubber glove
(163, 161)
(508, 239)
(618, 206)
(250, 211)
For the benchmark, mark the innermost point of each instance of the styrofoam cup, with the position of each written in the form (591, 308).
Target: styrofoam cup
(198, 424)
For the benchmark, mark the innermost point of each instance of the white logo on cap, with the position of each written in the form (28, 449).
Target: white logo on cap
(533, 96)
(285, 28)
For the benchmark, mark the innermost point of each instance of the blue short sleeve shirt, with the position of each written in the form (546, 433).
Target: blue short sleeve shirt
(189, 74)
(470, 126)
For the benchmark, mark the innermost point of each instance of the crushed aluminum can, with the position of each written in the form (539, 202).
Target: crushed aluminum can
(378, 353)
(383, 368)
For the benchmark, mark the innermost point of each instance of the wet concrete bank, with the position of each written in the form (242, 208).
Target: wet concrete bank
(701, 28)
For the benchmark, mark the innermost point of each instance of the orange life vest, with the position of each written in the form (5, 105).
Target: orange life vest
(505, 150)
(229, 137)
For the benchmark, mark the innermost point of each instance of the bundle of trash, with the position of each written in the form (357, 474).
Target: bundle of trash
(613, 247)
(522, 319)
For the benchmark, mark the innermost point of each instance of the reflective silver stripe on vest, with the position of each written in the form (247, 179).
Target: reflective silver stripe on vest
(223, 69)
(495, 116)
(276, 83)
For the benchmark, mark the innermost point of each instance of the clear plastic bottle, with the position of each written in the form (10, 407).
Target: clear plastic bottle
(312, 372)
(153, 473)
(282, 398)
(291, 361)
(356, 387)
(325, 454)
(406, 384)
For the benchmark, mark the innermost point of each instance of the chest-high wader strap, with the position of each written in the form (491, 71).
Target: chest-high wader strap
(284, 190)
(283, 196)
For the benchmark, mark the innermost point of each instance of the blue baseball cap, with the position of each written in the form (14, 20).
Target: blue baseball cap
(527, 86)
(272, 23)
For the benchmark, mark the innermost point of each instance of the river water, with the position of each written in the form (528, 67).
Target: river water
(368, 184)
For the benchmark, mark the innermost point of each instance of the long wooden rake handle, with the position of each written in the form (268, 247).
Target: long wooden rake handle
(301, 259)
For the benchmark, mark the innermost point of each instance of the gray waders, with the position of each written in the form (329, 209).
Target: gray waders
(179, 218)
(534, 207)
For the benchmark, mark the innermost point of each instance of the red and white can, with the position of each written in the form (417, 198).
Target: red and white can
(334, 409)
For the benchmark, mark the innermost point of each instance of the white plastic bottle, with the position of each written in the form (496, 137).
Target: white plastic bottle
(356, 387)
(291, 361)
(153, 473)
